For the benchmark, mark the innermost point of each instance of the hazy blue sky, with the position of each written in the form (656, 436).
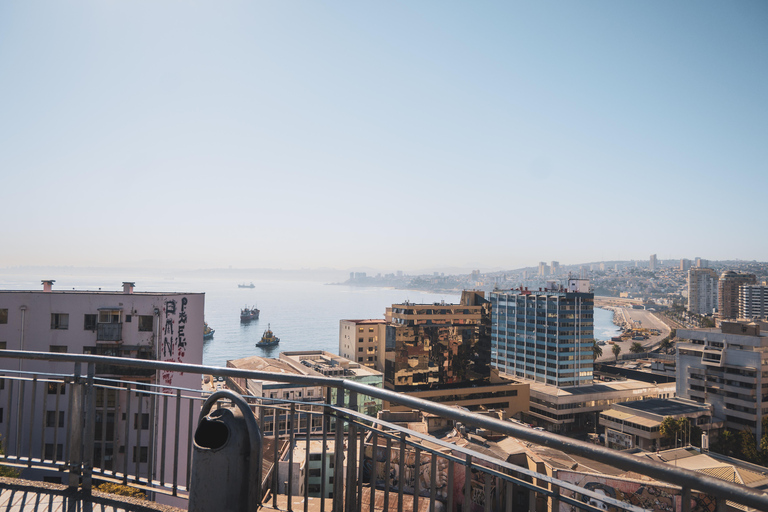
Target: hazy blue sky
(384, 134)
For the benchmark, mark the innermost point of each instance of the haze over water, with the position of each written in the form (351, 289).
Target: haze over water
(303, 314)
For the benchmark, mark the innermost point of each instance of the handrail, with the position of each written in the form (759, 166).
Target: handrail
(660, 471)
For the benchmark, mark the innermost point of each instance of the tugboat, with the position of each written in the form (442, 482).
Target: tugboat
(208, 332)
(247, 285)
(268, 339)
(247, 314)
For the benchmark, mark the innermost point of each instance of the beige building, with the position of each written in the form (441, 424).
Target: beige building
(363, 341)
(637, 424)
(565, 410)
(728, 292)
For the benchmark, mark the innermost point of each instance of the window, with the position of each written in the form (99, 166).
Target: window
(53, 386)
(315, 473)
(145, 323)
(3, 345)
(62, 349)
(143, 454)
(3, 316)
(59, 321)
(128, 318)
(360, 349)
(1, 414)
(49, 451)
(144, 421)
(109, 316)
(89, 322)
(50, 419)
(359, 359)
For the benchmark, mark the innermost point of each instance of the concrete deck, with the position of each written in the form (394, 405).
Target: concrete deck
(25, 496)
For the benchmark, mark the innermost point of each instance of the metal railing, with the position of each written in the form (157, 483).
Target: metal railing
(361, 459)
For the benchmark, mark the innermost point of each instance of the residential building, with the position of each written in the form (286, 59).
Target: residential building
(701, 263)
(544, 335)
(652, 263)
(159, 326)
(308, 464)
(636, 424)
(702, 291)
(728, 292)
(753, 301)
(543, 269)
(554, 268)
(685, 264)
(364, 341)
(727, 368)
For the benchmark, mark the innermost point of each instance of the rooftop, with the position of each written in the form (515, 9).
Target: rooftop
(666, 407)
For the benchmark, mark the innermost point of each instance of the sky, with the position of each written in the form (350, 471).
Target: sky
(389, 135)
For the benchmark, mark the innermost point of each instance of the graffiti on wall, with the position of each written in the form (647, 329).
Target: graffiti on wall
(640, 494)
(420, 475)
(174, 343)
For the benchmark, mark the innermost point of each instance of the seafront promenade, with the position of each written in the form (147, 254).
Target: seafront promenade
(626, 316)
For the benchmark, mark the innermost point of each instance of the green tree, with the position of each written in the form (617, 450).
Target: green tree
(748, 445)
(636, 348)
(597, 350)
(616, 351)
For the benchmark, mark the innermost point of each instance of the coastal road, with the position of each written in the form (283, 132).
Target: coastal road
(637, 318)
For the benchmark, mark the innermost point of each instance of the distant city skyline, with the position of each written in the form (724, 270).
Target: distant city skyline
(391, 136)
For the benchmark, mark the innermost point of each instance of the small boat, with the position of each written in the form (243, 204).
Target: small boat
(247, 285)
(268, 339)
(247, 314)
(208, 332)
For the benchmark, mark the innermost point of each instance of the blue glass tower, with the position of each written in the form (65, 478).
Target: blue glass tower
(546, 335)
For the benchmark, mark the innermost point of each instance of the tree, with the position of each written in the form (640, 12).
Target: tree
(597, 350)
(616, 351)
(636, 348)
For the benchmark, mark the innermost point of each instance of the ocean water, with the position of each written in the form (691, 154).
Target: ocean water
(605, 329)
(303, 314)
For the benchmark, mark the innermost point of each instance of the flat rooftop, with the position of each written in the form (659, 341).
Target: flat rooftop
(622, 386)
(665, 407)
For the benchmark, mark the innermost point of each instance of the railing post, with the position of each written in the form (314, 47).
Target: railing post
(685, 500)
(338, 469)
(291, 426)
(76, 429)
(468, 483)
(352, 456)
(90, 430)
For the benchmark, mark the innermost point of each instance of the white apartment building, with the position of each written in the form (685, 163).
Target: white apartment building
(159, 326)
(728, 368)
(753, 301)
(364, 341)
(702, 291)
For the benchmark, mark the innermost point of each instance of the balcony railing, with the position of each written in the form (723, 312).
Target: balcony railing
(109, 332)
(372, 459)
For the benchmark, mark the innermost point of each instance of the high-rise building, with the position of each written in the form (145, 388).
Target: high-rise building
(702, 291)
(728, 292)
(546, 335)
(701, 263)
(685, 264)
(652, 263)
(442, 352)
(438, 344)
(724, 369)
(554, 267)
(543, 268)
(753, 301)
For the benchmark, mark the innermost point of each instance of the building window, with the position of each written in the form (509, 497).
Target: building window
(1, 414)
(89, 322)
(144, 421)
(109, 316)
(3, 316)
(128, 318)
(145, 322)
(50, 419)
(62, 349)
(49, 451)
(144, 454)
(359, 359)
(3, 345)
(59, 321)
(360, 349)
